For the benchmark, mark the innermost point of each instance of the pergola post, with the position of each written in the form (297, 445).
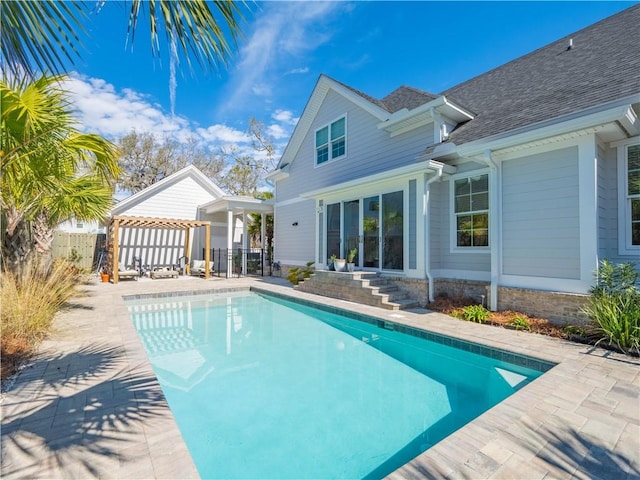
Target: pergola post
(116, 248)
(187, 249)
(207, 248)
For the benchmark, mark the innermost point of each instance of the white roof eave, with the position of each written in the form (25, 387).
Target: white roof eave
(429, 165)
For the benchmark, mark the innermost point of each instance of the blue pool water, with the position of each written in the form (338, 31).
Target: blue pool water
(266, 388)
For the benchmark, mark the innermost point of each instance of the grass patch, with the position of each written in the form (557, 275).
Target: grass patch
(29, 305)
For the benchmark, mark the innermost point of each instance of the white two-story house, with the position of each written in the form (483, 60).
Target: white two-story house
(512, 185)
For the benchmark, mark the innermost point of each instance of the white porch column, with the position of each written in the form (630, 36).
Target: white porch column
(588, 209)
(245, 241)
(229, 242)
(495, 226)
(263, 230)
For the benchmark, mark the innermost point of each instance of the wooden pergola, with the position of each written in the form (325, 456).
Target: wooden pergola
(119, 221)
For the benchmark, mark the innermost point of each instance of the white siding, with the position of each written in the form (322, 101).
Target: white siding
(295, 245)
(177, 200)
(369, 150)
(457, 264)
(540, 205)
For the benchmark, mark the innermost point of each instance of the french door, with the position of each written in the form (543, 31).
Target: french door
(372, 225)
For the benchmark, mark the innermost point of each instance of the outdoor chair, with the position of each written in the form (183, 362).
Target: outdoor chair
(164, 272)
(197, 267)
(127, 272)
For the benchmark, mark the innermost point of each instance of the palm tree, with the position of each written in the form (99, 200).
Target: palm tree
(254, 228)
(51, 171)
(43, 35)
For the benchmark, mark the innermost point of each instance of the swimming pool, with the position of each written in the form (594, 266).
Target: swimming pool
(262, 387)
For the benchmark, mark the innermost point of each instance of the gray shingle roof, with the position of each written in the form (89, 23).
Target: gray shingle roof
(406, 97)
(602, 65)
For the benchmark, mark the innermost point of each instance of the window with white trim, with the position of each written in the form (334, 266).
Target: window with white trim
(471, 209)
(633, 194)
(331, 141)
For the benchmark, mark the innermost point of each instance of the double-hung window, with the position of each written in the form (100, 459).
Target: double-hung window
(331, 141)
(471, 210)
(632, 194)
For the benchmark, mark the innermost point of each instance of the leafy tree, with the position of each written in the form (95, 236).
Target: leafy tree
(43, 35)
(147, 159)
(51, 171)
(247, 171)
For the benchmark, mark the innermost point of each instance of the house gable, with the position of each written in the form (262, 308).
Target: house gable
(177, 196)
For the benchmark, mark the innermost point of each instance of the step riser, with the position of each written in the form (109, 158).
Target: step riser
(359, 287)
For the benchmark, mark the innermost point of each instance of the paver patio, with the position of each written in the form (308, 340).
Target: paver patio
(89, 406)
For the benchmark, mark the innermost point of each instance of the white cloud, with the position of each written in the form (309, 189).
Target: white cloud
(112, 113)
(223, 134)
(296, 71)
(285, 116)
(276, 40)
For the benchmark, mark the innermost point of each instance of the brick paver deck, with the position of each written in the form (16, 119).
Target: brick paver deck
(89, 405)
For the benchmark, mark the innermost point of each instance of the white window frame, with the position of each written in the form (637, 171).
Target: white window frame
(330, 141)
(624, 200)
(453, 237)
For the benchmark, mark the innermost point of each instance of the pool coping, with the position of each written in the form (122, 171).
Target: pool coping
(578, 420)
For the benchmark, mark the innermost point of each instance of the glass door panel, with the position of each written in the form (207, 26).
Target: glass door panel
(393, 231)
(351, 228)
(371, 232)
(333, 230)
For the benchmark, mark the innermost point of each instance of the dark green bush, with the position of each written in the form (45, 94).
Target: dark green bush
(614, 306)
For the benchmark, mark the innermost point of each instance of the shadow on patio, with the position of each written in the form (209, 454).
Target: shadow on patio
(77, 413)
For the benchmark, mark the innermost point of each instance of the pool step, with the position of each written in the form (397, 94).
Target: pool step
(368, 288)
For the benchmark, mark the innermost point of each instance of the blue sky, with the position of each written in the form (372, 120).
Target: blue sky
(372, 46)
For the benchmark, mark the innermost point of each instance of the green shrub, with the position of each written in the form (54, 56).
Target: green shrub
(614, 306)
(475, 313)
(298, 274)
(520, 323)
(574, 330)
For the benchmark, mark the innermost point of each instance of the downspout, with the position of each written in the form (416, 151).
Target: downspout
(427, 231)
(495, 231)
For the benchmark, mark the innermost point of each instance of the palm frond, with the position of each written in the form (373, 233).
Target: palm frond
(192, 26)
(40, 35)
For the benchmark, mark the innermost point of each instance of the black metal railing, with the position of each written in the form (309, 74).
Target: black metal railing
(240, 262)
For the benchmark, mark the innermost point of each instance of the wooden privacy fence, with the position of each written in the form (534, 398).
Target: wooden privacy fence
(85, 245)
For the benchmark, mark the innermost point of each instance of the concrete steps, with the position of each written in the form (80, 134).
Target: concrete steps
(368, 288)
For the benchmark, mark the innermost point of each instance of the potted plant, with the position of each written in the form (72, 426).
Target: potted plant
(352, 255)
(332, 260)
(340, 264)
(104, 276)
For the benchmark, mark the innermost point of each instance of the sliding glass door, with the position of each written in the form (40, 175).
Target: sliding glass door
(371, 232)
(333, 230)
(393, 231)
(352, 229)
(376, 231)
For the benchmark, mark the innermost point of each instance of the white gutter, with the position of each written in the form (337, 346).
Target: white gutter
(551, 128)
(427, 230)
(495, 225)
